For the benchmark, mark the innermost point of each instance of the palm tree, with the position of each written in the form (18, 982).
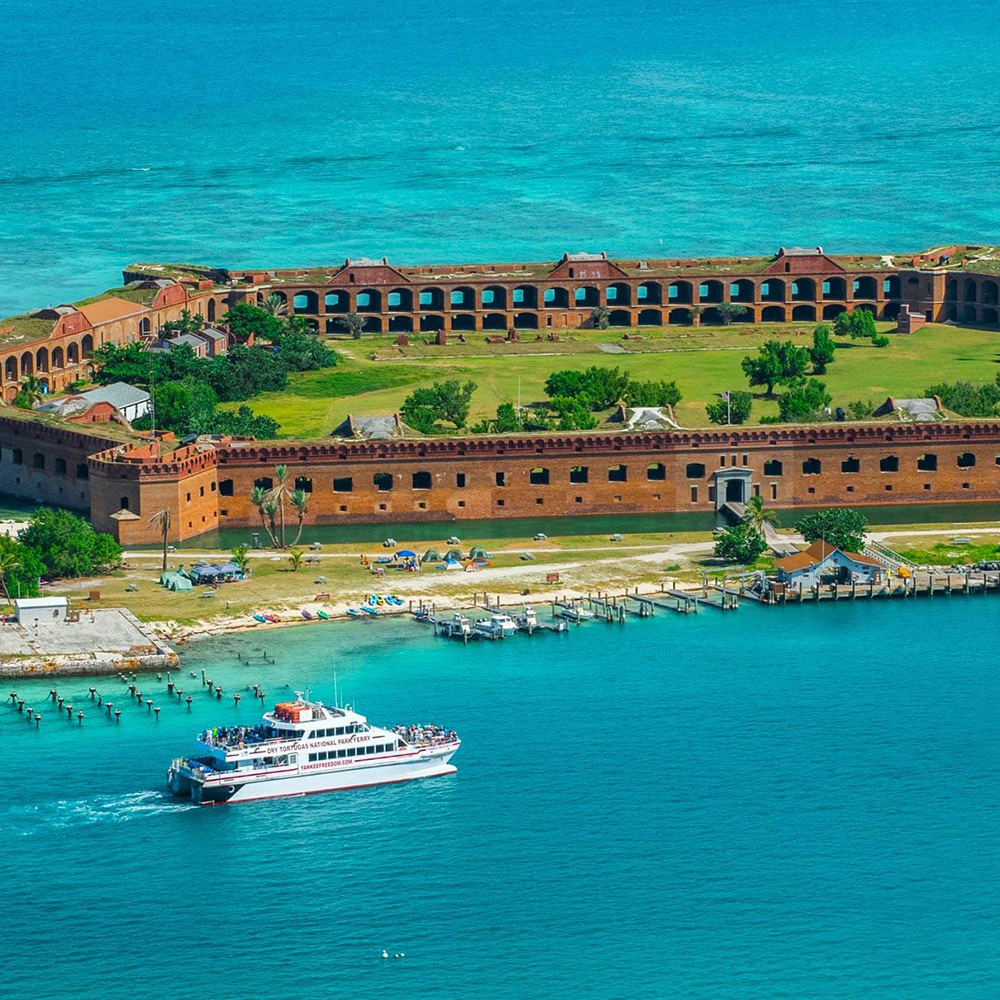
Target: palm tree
(299, 499)
(758, 517)
(8, 562)
(241, 556)
(278, 494)
(295, 558)
(259, 498)
(29, 394)
(161, 520)
(275, 304)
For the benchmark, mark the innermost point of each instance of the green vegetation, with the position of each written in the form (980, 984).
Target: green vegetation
(858, 325)
(731, 408)
(951, 553)
(966, 399)
(822, 350)
(424, 408)
(804, 403)
(55, 544)
(186, 388)
(601, 388)
(739, 543)
(730, 312)
(701, 361)
(841, 527)
(776, 363)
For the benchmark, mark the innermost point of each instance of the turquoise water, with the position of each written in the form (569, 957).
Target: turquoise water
(794, 802)
(296, 134)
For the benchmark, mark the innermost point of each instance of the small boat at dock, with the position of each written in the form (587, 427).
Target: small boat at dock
(456, 627)
(497, 626)
(573, 613)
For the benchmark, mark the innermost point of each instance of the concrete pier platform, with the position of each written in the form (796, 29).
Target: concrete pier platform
(106, 640)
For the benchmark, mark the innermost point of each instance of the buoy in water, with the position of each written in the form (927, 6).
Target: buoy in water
(385, 954)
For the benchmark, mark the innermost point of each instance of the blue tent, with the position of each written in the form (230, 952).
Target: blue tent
(406, 554)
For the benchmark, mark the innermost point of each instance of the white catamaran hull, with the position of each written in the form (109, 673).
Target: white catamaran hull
(311, 778)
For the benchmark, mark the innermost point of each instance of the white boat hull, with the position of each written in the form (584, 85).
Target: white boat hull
(310, 779)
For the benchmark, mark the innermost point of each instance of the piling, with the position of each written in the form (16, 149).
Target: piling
(52, 693)
(118, 715)
(69, 712)
(79, 718)
(189, 702)
(156, 711)
(149, 705)
(93, 693)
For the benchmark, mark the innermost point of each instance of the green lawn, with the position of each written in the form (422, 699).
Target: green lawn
(703, 361)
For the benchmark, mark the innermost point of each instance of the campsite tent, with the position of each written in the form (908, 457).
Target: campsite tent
(176, 581)
(478, 552)
(431, 555)
(453, 555)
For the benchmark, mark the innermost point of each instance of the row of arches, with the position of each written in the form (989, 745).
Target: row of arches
(43, 360)
(435, 299)
(679, 316)
(982, 291)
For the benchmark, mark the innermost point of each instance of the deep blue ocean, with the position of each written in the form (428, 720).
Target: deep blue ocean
(286, 134)
(796, 802)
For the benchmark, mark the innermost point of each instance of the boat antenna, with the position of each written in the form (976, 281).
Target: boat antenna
(336, 703)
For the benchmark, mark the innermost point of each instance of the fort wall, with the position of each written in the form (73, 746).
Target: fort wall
(562, 476)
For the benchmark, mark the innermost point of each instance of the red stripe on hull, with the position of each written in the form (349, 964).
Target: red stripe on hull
(322, 791)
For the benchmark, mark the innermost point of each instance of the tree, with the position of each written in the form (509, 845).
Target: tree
(821, 352)
(776, 363)
(186, 407)
(739, 543)
(353, 323)
(20, 569)
(299, 500)
(599, 317)
(804, 402)
(734, 410)
(573, 414)
(652, 393)
(266, 509)
(450, 400)
(301, 352)
(758, 516)
(966, 399)
(861, 409)
(66, 545)
(278, 494)
(276, 305)
(29, 394)
(244, 319)
(508, 420)
(161, 520)
(241, 556)
(858, 325)
(295, 559)
(243, 422)
(841, 527)
(729, 312)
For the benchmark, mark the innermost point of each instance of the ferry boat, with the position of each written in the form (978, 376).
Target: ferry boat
(497, 626)
(304, 747)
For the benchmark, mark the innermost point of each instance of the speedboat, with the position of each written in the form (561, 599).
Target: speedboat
(497, 626)
(304, 747)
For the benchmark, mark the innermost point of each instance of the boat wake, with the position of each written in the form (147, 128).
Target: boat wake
(24, 820)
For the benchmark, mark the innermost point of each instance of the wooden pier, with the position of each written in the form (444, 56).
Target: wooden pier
(919, 584)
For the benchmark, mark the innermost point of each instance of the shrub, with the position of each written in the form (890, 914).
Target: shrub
(734, 411)
(805, 402)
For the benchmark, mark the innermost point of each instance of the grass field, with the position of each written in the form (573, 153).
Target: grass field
(703, 362)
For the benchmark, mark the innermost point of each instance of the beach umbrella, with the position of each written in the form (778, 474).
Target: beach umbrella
(406, 554)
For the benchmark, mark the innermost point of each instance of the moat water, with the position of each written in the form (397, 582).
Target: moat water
(301, 134)
(795, 802)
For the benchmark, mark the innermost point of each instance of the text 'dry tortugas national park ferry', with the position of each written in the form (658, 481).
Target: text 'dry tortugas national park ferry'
(304, 747)
(95, 463)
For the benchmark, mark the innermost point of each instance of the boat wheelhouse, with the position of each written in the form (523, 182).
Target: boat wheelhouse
(304, 747)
